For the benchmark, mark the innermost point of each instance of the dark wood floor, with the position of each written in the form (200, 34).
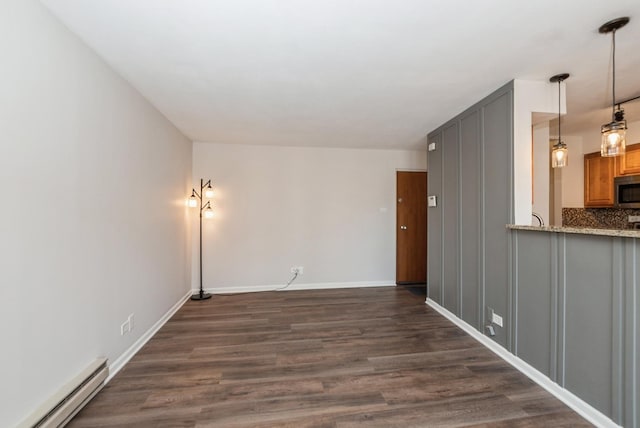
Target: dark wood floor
(331, 358)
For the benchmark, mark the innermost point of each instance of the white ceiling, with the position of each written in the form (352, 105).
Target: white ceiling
(352, 73)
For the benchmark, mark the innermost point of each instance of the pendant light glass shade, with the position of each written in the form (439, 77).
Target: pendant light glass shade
(613, 138)
(613, 133)
(559, 154)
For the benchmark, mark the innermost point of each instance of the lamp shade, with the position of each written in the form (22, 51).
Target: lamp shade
(208, 192)
(613, 138)
(193, 202)
(208, 213)
(559, 155)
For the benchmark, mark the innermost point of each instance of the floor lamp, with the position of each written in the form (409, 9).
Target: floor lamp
(198, 200)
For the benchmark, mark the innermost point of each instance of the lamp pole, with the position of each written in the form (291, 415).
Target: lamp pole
(197, 200)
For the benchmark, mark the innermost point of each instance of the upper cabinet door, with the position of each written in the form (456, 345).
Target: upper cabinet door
(598, 180)
(629, 163)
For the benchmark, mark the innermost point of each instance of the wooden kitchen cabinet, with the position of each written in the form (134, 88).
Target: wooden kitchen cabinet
(598, 180)
(629, 163)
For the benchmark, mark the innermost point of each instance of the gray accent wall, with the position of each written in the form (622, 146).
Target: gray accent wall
(470, 220)
(434, 222)
(569, 302)
(471, 173)
(450, 222)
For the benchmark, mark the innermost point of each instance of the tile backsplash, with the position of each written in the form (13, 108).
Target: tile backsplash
(598, 218)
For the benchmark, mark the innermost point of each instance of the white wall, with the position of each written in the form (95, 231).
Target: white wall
(529, 97)
(541, 167)
(93, 222)
(571, 176)
(329, 210)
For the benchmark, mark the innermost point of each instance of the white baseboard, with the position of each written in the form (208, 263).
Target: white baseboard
(123, 359)
(581, 407)
(294, 286)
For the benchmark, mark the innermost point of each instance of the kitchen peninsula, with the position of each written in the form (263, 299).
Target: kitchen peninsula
(576, 296)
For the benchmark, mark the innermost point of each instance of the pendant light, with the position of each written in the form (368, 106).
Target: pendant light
(613, 133)
(559, 154)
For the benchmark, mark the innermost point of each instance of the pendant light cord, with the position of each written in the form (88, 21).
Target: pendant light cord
(613, 105)
(559, 121)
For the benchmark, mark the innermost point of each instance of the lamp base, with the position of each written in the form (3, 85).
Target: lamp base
(201, 296)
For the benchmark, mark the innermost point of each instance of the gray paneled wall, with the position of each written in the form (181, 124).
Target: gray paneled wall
(471, 173)
(434, 222)
(471, 296)
(588, 313)
(576, 315)
(497, 194)
(450, 219)
(536, 299)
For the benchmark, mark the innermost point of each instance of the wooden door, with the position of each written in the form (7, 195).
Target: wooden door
(411, 227)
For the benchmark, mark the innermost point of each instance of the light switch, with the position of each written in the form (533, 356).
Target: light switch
(432, 147)
(432, 201)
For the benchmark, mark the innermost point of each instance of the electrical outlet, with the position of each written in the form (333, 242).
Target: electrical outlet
(130, 320)
(297, 269)
(125, 328)
(634, 219)
(300, 270)
(496, 319)
(493, 317)
(294, 269)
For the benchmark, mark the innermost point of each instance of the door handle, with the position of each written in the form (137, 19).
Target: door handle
(403, 227)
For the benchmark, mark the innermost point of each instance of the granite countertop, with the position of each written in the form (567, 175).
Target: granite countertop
(629, 233)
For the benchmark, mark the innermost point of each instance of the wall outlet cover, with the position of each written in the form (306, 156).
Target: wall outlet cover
(634, 219)
(125, 327)
(497, 320)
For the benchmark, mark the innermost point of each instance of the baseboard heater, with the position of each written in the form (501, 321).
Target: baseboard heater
(58, 410)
